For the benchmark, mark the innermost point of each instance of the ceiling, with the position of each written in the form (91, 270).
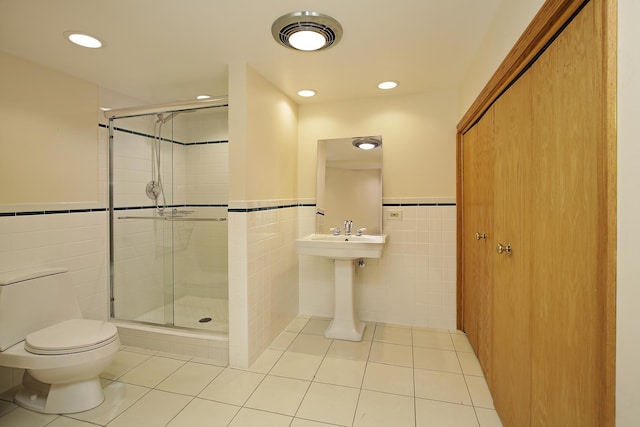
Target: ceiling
(161, 51)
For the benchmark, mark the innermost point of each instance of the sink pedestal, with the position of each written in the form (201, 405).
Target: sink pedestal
(345, 325)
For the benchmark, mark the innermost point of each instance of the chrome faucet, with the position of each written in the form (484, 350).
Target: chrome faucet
(347, 227)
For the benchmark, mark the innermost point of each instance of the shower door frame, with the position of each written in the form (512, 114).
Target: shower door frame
(111, 115)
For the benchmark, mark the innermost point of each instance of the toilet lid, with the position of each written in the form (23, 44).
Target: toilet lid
(71, 336)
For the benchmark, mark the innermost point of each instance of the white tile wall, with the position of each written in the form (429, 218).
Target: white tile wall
(263, 270)
(414, 283)
(76, 241)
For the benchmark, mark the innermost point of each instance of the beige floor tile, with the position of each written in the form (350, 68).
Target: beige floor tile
(436, 360)
(20, 417)
(283, 341)
(329, 403)
(393, 335)
(431, 339)
(369, 330)
(6, 407)
(316, 326)
(156, 408)
(461, 343)
(266, 361)
(344, 372)
(123, 362)
(488, 417)
(200, 412)
(68, 422)
(384, 410)
(152, 371)
(297, 365)
(350, 349)
(232, 386)
(433, 413)
(310, 344)
(254, 418)
(470, 364)
(479, 391)
(299, 422)
(118, 397)
(443, 386)
(190, 378)
(388, 379)
(277, 394)
(391, 354)
(297, 324)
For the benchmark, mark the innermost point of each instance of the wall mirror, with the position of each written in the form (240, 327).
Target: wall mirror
(349, 184)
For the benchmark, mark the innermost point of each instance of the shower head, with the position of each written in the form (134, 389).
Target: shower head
(163, 120)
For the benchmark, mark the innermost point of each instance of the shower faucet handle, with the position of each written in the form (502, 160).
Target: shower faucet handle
(360, 230)
(335, 230)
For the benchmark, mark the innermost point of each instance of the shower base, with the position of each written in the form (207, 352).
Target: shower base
(189, 311)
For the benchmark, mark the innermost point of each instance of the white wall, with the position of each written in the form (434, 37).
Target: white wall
(628, 280)
(418, 132)
(263, 288)
(512, 18)
(414, 281)
(67, 228)
(47, 119)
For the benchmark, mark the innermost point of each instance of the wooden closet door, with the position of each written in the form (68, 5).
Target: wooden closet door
(567, 299)
(485, 151)
(477, 229)
(472, 280)
(511, 346)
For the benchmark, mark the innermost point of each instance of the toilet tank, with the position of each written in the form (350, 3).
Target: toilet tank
(32, 300)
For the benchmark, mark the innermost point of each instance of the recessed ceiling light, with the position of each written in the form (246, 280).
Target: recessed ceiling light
(367, 142)
(387, 85)
(307, 92)
(82, 39)
(306, 31)
(203, 96)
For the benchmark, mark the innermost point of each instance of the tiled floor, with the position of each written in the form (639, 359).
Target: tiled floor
(397, 376)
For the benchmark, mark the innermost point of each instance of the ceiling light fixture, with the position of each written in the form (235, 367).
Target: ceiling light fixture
(307, 31)
(367, 142)
(82, 39)
(307, 92)
(387, 85)
(203, 97)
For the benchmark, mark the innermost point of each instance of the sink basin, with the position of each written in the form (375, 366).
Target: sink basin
(342, 247)
(343, 250)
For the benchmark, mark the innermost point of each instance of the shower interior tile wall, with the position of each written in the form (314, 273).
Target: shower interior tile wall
(414, 282)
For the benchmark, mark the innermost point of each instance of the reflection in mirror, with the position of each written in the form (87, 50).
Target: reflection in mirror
(349, 185)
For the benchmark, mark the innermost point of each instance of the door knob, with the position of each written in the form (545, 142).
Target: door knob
(481, 235)
(503, 249)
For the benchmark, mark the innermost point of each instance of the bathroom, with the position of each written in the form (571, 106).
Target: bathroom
(264, 266)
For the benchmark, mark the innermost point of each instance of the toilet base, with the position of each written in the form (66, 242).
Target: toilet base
(59, 398)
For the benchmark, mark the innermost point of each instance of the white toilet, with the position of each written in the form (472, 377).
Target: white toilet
(42, 331)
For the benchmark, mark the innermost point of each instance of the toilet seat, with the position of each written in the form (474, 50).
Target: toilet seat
(71, 336)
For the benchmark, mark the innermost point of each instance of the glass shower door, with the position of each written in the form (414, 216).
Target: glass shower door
(169, 185)
(142, 240)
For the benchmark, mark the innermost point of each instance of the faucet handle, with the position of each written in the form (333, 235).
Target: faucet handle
(335, 230)
(361, 230)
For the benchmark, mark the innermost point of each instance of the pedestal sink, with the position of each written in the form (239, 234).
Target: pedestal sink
(344, 250)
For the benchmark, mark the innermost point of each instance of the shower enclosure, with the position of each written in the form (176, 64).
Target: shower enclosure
(168, 176)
